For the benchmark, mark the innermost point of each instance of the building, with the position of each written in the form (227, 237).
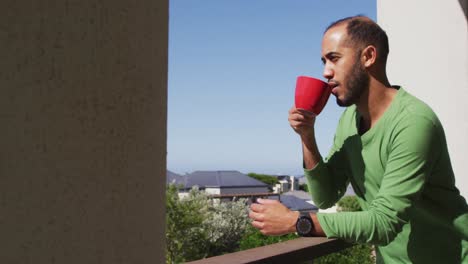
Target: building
(286, 183)
(230, 185)
(226, 184)
(429, 58)
(298, 201)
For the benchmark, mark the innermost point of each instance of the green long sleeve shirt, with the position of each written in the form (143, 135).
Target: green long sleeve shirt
(401, 173)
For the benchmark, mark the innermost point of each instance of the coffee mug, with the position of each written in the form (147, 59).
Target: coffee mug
(311, 94)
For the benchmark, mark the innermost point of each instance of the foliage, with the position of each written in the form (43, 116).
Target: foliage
(197, 227)
(226, 224)
(268, 179)
(349, 204)
(254, 238)
(360, 253)
(185, 235)
(304, 187)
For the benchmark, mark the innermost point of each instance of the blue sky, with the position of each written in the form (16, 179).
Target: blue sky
(232, 72)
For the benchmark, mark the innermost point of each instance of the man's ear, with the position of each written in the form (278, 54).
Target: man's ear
(369, 56)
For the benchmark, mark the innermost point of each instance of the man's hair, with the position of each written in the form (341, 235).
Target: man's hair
(362, 31)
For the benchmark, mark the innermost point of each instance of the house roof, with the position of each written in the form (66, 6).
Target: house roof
(298, 200)
(175, 178)
(299, 194)
(297, 204)
(287, 177)
(222, 179)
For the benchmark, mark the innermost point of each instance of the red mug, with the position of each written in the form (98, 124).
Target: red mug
(311, 94)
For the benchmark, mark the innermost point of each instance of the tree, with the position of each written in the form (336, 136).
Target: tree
(226, 224)
(197, 227)
(268, 179)
(185, 234)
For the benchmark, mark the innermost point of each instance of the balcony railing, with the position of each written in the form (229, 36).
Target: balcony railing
(292, 251)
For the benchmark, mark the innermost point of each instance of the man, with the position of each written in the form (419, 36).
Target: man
(390, 147)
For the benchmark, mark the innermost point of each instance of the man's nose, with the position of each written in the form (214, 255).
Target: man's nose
(327, 72)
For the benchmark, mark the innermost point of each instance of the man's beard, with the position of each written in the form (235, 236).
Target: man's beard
(357, 82)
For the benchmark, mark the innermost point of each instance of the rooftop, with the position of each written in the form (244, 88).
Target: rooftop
(221, 179)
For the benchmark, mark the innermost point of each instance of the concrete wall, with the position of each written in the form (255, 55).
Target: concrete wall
(213, 190)
(429, 57)
(83, 137)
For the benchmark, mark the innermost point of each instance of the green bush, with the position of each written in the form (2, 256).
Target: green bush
(198, 227)
(358, 254)
(304, 187)
(254, 238)
(349, 204)
(225, 225)
(185, 235)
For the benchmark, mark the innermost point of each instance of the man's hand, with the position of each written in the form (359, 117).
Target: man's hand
(302, 121)
(273, 218)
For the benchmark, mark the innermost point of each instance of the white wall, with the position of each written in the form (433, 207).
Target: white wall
(213, 190)
(294, 183)
(429, 58)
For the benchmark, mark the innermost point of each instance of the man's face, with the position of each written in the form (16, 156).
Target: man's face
(343, 68)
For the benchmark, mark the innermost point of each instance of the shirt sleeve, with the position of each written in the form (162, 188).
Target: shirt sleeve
(327, 181)
(411, 152)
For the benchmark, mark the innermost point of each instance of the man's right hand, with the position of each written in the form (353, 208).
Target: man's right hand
(302, 121)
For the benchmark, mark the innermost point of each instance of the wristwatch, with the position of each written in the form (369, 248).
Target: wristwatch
(304, 225)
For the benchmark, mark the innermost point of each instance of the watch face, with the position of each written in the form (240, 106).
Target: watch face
(304, 226)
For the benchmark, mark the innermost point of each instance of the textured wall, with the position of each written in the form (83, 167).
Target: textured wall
(83, 138)
(429, 57)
